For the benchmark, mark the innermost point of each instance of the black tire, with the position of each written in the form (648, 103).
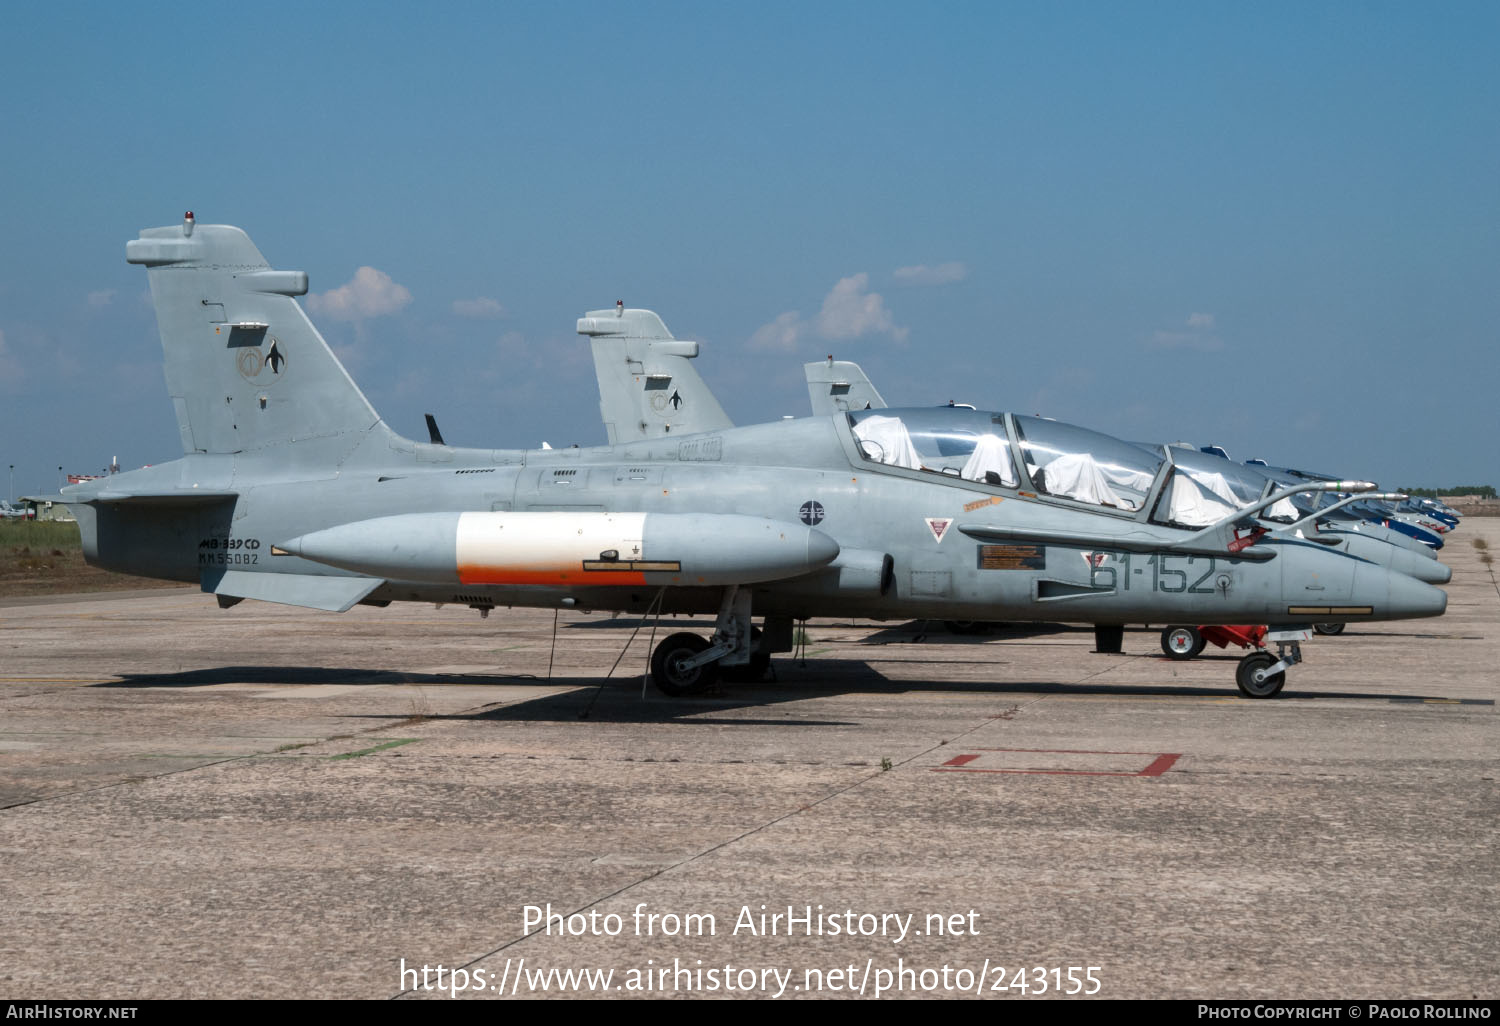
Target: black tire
(752, 672)
(672, 681)
(1182, 642)
(1328, 628)
(967, 626)
(1244, 676)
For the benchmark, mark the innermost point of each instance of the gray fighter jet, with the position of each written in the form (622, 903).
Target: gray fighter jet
(292, 489)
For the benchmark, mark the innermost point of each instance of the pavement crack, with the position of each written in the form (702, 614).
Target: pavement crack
(799, 810)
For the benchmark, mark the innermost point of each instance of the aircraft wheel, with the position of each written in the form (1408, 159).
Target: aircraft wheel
(1257, 662)
(754, 671)
(1182, 642)
(967, 626)
(1328, 628)
(670, 680)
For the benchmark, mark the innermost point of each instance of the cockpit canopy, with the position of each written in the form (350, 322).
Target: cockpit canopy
(1206, 488)
(970, 444)
(975, 445)
(1070, 462)
(1086, 466)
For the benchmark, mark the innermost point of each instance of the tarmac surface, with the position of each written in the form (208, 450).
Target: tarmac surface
(267, 802)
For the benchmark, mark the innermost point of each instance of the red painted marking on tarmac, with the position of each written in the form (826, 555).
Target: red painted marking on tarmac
(1161, 765)
(1161, 762)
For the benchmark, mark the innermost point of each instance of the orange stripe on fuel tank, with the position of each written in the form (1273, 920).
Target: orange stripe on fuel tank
(548, 548)
(573, 577)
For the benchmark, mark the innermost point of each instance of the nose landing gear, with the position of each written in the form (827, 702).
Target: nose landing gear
(1260, 674)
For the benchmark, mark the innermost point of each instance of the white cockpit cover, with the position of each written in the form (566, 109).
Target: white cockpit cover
(1076, 475)
(992, 453)
(1199, 500)
(1137, 479)
(887, 441)
(1282, 509)
(1218, 484)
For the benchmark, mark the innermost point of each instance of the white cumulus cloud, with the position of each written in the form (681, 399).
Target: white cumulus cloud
(1199, 336)
(480, 308)
(370, 293)
(102, 298)
(921, 274)
(781, 334)
(849, 311)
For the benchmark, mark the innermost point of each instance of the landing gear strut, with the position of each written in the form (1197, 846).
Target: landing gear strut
(670, 667)
(1260, 674)
(685, 664)
(1109, 638)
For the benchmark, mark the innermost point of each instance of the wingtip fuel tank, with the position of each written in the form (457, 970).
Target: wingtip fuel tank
(570, 549)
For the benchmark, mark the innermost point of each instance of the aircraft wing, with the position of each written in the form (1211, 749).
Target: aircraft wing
(183, 497)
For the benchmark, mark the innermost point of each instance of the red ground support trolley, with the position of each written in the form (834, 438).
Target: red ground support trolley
(1187, 642)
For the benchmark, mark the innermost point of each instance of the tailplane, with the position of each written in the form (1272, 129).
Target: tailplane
(245, 367)
(647, 386)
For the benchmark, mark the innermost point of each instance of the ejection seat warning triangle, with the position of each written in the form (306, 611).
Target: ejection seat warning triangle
(939, 527)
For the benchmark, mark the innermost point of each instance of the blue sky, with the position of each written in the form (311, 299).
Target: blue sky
(1269, 226)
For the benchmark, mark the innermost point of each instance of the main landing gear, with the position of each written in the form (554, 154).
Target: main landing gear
(687, 663)
(1182, 642)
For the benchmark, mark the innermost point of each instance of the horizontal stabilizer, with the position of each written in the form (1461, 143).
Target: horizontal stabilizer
(181, 497)
(334, 594)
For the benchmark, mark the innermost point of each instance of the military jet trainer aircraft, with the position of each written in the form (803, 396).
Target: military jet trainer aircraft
(1207, 486)
(292, 489)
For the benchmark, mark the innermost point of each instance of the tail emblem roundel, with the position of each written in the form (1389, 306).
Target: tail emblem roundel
(259, 368)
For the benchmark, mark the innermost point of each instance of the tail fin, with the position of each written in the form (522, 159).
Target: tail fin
(647, 387)
(838, 385)
(245, 367)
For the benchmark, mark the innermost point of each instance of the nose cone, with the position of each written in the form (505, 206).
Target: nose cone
(821, 549)
(1395, 596)
(1420, 566)
(1435, 573)
(408, 547)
